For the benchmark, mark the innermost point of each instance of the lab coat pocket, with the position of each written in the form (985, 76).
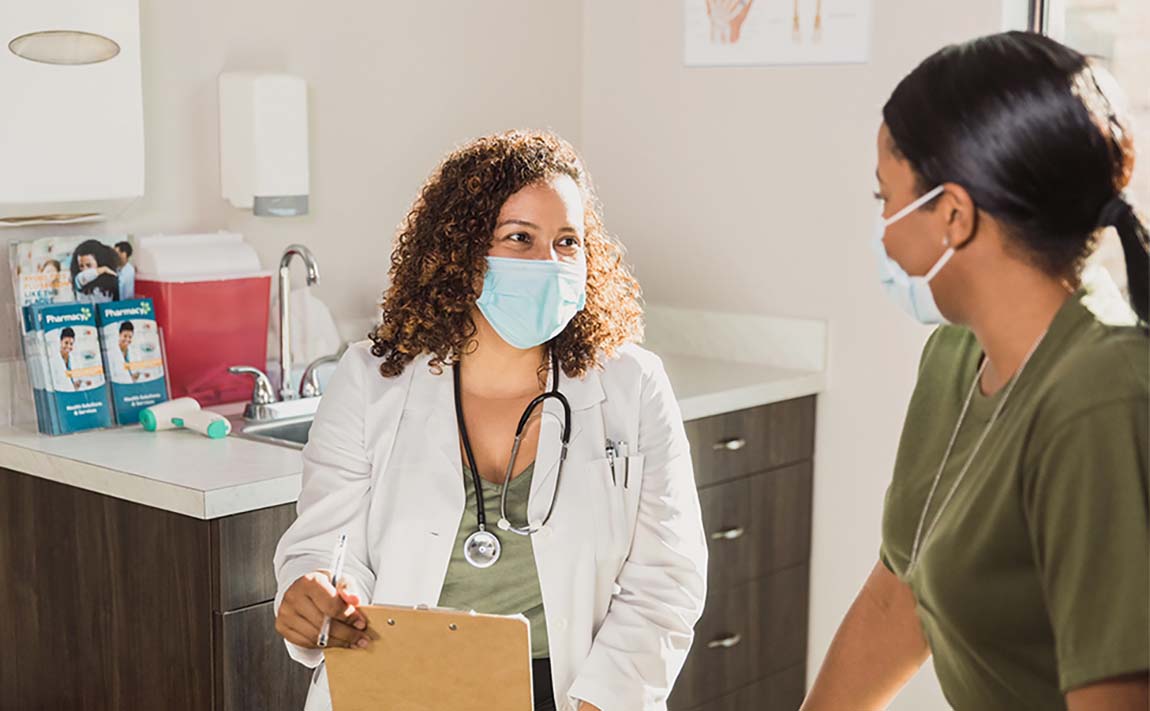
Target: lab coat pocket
(614, 497)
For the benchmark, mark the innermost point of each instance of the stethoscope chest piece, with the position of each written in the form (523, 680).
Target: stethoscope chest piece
(482, 549)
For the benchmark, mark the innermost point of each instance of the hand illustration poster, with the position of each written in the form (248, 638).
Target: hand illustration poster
(766, 32)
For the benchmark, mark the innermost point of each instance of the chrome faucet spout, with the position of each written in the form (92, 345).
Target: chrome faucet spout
(287, 386)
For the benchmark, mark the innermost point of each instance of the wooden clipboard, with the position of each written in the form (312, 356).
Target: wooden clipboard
(433, 659)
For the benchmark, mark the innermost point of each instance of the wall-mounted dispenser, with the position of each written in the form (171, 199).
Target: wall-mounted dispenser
(72, 122)
(263, 143)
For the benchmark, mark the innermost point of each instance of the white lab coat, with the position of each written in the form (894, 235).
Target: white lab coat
(117, 367)
(622, 571)
(61, 380)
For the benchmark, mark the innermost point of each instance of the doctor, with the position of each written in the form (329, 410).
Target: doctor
(505, 288)
(119, 357)
(62, 380)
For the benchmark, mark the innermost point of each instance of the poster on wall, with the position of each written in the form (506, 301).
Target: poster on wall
(724, 33)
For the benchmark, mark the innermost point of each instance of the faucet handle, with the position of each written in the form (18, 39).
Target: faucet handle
(309, 385)
(262, 393)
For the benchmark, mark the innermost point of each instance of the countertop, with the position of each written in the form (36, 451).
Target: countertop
(186, 473)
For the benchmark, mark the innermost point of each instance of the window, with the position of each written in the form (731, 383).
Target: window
(1117, 33)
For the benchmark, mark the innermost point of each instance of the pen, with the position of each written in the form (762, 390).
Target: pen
(611, 459)
(626, 473)
(336, 571)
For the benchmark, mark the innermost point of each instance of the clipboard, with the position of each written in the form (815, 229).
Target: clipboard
(429, 659)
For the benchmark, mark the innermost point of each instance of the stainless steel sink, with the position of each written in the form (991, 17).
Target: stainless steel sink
(288, 425)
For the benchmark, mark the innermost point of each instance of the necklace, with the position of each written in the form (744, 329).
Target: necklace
(919, 536)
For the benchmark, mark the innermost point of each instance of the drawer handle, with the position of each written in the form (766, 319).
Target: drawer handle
(725, 642)
(732, 444)
(728, 534)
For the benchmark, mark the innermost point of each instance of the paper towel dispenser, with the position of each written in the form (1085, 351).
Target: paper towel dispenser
(72, 126)
(263, 143)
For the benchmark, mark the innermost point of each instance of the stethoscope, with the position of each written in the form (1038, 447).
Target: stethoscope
(482, 548)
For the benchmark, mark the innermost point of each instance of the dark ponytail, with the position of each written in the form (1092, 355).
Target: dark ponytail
(1021, 122)
(1121, 215)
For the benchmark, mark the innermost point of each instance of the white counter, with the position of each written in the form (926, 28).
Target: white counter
(177, 470)
(706, 387)
(189, 474)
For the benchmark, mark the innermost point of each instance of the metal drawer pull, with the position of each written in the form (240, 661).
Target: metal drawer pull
(728, 534)
(725, 642)
(733, 444)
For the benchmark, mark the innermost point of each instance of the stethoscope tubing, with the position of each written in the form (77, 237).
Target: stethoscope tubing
(480, 508)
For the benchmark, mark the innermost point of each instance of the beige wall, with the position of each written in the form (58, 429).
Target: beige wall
(393, 85)
(748, 189)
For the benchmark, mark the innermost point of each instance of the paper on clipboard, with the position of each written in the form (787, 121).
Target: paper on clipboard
(433, 659)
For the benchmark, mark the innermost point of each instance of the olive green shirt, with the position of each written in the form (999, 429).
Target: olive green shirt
(511, 586)
(1036, 580)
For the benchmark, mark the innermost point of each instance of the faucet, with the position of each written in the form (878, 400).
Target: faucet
(287, 388)
(262, 394)
(309, 385)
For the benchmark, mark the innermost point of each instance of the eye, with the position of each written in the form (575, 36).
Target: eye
(569, 242)
(521, 237)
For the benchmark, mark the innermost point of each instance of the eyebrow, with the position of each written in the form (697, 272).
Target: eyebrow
(527, 223)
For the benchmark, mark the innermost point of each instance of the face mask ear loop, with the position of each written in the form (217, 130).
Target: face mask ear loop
(916, 204)
(938, 267)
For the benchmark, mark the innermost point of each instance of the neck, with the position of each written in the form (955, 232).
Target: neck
(496, 370)
(1010, 317)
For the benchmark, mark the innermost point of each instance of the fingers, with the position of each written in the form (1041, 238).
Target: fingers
(334, 604)
(311, 600)
(296, 629)
(352, 615)
(303, 629)
(341, 634)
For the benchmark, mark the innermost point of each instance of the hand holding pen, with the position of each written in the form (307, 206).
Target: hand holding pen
(318, 608)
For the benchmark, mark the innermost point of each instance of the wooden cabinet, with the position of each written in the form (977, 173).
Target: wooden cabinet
(758, 439)
(113, 605)
(108, 605)
(253, 671)
(754, 469)
(242, 550)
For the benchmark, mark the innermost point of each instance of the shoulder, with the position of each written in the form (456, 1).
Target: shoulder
(1105, 364)
(631, 363)
(359, 368)
(947, 346)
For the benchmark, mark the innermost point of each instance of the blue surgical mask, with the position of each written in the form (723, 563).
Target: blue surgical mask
(530, 301)
(912, 293)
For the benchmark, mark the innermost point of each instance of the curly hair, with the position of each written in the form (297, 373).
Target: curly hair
(440, 254)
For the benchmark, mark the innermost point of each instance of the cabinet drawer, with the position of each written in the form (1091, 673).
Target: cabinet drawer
(783, 691)
(253, 671)
(739, 443)
(758, 524)
(747, 633)
(242, 549)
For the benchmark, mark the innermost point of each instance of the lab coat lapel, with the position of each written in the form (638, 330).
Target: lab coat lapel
(432, 402)
(582, 394)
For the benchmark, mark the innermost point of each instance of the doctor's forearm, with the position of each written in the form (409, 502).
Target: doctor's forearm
(878, 648)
